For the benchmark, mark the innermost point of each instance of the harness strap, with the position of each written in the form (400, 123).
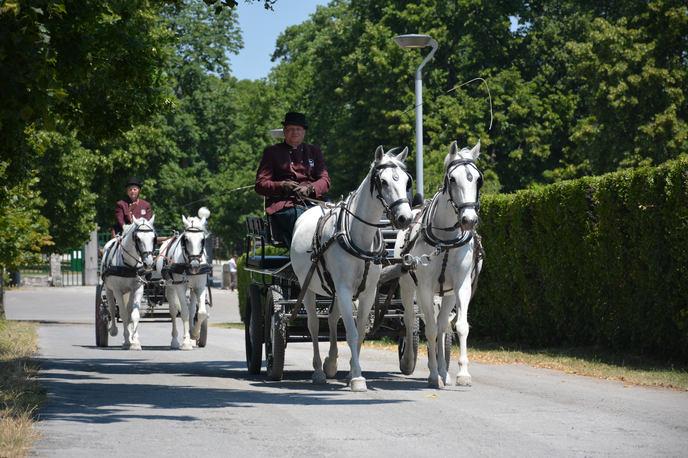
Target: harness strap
(304, 288)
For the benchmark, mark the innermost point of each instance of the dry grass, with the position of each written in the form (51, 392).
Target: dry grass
(589, 362)
(20, 394)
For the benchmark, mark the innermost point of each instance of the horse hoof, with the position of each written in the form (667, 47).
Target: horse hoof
(187, 346)
(113, 331)
(319, 378)
(407, 368)
(330, 367)
(135, 346)
(464, 380)
(358, 385)
(126, 346)
(175, 346)
(436, 383)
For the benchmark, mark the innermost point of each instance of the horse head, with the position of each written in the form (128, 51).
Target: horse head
(393, 184)
(463, 180)
(144, 238)
(193, 242)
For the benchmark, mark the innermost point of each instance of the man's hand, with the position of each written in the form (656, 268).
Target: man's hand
(288, 185)
(303, 191)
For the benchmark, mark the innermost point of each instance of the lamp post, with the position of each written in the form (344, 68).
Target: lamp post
(418, 41)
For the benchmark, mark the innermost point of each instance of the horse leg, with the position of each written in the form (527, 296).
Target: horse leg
(112, 307)
(319, 376)
(331, 360)
(124, 313)
(463, 378)
(202, 311)
(344, 303)
(442, 328)
(425, 299)
(184, 308)
(135, 303)
(173, 301)
(407, 364)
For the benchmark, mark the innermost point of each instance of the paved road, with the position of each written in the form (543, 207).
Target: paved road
(158, 402)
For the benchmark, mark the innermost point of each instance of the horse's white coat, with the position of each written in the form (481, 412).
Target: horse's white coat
(195, 283)
(347, 271)
(457, 274)
(128, 290)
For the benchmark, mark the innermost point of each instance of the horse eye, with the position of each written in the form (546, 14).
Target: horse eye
(383, 182)
(452, 179)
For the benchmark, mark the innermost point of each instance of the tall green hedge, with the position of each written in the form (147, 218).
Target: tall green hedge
(601, 261)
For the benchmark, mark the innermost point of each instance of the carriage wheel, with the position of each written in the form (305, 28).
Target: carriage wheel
(405, 346)
(203, 336)
(448, 340)
(275, 334)
(254, 330)
(209, 295)
(102, 319)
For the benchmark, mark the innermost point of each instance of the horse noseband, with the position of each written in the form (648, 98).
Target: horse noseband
(450, 168)
(193, 257)
(376, 184)
(142, 254)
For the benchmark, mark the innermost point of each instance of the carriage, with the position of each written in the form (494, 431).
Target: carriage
(154, 304)
(273, 318)
(344, 243)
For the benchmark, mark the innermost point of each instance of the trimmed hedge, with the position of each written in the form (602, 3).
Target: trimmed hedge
(596, 261)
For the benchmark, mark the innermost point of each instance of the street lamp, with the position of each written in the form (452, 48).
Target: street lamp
(418, 41)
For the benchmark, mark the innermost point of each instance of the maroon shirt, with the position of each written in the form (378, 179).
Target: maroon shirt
(125, 208)
(304, 164)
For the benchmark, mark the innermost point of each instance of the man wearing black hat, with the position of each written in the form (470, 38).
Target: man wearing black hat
(289, 172)
(130, 207)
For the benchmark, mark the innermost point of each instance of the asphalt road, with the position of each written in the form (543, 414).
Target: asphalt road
(158, 402)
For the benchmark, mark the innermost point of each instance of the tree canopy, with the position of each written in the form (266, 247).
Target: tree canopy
(92, 93)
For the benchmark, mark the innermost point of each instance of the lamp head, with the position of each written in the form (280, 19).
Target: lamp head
(413, 41)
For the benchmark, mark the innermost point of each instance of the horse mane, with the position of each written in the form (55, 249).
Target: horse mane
(393, 157)
(447, 161)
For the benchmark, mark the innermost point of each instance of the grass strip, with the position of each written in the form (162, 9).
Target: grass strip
(20, 393)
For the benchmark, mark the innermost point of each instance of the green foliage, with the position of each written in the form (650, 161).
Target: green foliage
(596, 260)
(23, 231)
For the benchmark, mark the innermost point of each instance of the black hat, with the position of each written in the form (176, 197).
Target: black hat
(134, 182)
(298, 119)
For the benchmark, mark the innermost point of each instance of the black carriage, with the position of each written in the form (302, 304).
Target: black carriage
(272, 297)
(155, 307)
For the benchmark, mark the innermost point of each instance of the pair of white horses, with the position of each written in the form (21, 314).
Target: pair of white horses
(182, 262)
(355, 265)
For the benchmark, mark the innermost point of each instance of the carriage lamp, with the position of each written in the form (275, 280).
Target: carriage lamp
(418, 41)
(203, 212)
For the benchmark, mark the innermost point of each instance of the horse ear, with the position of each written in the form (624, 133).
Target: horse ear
(152, 219)
(453, 149)
(379, 153)
(475, 152)
(401, 157)
(185, 221)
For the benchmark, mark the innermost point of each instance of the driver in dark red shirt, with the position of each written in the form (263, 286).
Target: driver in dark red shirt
(130, 207)
(290, 171)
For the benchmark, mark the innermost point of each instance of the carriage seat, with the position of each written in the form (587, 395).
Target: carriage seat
(259, 231)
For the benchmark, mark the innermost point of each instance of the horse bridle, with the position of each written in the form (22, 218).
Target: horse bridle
(446, 185)
(427, 226)
(376, 184)
(189, 258)
(135, 236)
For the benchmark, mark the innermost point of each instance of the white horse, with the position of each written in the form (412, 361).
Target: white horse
(125, 258)
(183, 263)
(352, 265)
(445, 231)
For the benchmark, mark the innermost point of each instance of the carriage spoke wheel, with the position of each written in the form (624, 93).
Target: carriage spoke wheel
(448, 340)
(254, 330)
(102, 319)
(203, 336)
(405, 346)
(275, 334)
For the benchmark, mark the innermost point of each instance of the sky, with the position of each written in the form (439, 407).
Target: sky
(260, 28)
